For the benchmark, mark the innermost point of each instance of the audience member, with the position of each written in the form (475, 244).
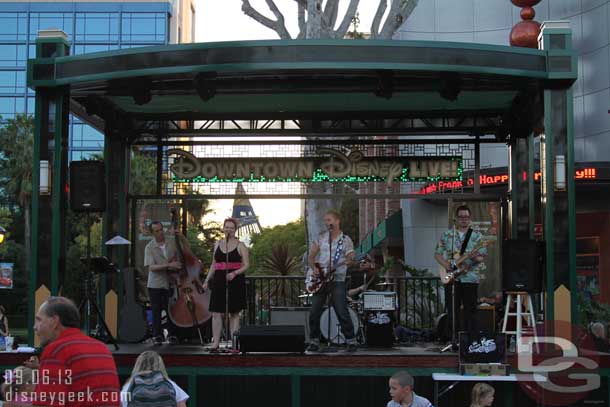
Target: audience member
(75, 370)
(401, 391)
(149, 381)
(598, 333)
(482, 395)
(20, 387)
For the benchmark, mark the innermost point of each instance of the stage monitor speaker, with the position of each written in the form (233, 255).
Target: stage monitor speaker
(87, 186)
(290, 316)
(522, 265)
(272, 338)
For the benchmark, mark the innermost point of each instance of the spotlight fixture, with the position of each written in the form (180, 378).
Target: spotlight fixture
(385, 84)
(204, 86)
(451, 86)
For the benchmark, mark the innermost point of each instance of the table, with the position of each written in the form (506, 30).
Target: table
(456, 378)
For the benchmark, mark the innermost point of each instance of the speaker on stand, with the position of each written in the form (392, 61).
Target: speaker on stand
(522, 265)
(87, 186)
(88, 194)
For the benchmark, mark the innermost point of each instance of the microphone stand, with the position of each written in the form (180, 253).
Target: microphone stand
(227, 317)
(329, 295)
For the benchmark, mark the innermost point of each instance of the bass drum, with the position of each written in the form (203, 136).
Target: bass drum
(380, 329)
(336, 336)
(442, 323)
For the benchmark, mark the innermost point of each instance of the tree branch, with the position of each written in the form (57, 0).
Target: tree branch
(330, 13)
(383, 4)
(301, 17)
(276, 25)
(399, 12)
(347, 19)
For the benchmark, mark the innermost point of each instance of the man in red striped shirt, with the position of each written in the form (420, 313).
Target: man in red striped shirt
(75, 370)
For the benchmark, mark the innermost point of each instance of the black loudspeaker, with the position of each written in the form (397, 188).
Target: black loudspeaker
(291, 316)
(272, 338)
(522, 265)
(87, 186)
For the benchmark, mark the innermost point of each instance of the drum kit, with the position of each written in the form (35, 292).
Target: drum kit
(372, 315)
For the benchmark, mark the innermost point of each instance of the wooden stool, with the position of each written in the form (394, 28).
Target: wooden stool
(520, 299)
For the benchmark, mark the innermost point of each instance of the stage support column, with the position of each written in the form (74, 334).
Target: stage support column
(117, 158)
(521, 203)
(49, 180)
(557, 184)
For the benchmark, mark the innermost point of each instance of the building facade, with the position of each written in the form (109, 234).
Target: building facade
(90, 27)
(491, 21)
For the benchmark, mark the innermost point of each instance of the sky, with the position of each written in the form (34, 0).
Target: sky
(223, 20)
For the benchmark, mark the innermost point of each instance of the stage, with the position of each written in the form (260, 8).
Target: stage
(316, 380)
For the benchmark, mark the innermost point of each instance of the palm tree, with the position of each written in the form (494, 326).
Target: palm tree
(279, 262)
(16, 146)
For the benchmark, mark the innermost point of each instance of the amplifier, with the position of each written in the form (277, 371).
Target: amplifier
(379, 301)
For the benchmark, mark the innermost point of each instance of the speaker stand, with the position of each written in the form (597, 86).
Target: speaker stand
(520, 299)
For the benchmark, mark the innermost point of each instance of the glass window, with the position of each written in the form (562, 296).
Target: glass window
(97, 27)
(86, 137)
(139, 27)
(12, 55)
(10, 106)
(30, 106)
(45, 21)
(87, 48)
(13, 26)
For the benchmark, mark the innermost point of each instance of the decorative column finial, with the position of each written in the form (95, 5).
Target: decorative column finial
(525, 33)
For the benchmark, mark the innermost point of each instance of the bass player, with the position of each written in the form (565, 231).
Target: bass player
(329, 257)
(462, 242)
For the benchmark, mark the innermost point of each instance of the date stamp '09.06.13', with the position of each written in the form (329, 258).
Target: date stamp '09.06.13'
(17, 380)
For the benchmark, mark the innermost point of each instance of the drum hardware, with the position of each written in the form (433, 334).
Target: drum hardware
(386, 284)
(305, 295)
(336, 336)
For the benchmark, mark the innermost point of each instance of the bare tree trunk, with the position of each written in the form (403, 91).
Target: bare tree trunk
(314, 19)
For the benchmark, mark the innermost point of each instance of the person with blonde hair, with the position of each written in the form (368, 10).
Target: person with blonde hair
(149, 382)
(482, 395)
(20, 386)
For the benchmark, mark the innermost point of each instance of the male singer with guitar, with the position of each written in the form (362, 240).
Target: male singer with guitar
(334, 249)
(465, 244)
(159, 257)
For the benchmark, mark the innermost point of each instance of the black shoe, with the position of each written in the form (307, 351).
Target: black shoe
(172, 340)
(313, 347)
(158, 340)
(351, 347)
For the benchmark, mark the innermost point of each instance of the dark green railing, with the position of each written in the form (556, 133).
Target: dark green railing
(420, 299)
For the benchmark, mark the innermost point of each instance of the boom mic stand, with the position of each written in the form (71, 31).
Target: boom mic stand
(89, 299)
(453, 345)
(329, 295)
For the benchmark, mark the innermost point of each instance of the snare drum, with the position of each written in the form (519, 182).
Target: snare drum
(336, 335)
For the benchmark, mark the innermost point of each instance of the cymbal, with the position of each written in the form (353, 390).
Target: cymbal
(386, 284)
(305, 295)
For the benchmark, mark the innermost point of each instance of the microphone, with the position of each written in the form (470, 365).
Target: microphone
(330, 226)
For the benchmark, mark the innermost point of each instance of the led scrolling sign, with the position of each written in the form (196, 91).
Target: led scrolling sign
(329, 166)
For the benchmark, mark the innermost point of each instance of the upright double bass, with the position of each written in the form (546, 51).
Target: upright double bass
(189, 304)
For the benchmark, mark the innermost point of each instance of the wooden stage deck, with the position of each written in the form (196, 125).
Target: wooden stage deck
(313, 380)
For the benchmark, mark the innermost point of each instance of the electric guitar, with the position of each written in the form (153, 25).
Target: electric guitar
(318, 276)
(448, 277)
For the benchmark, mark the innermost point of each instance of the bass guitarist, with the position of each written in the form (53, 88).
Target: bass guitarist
(159, 255)
(329, 256)
(460, 243)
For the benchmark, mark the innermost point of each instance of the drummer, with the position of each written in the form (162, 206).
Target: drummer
(362, 279)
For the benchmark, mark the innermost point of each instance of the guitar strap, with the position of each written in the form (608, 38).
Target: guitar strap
(465, 242)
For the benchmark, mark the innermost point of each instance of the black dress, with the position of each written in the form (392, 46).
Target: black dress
(237, 287)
